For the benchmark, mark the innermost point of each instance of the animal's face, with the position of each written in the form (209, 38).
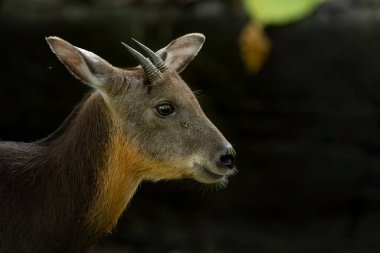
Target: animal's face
(158, 113)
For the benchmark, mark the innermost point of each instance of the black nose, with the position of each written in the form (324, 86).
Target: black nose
(228, 158)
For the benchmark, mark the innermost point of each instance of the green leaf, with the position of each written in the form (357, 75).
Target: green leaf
(280, 12)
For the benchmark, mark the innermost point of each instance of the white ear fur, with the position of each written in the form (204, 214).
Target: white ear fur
(181, 51)
(83, 64)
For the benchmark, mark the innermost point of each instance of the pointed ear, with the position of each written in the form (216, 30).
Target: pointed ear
(181, 51)
(84, 65)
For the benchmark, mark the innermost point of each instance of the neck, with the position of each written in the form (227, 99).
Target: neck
(70, 188)
(94, 153)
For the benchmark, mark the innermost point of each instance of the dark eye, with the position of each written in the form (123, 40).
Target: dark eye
(164, 110)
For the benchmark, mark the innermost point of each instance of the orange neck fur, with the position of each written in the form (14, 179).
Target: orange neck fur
(117, 184)
(125, 168)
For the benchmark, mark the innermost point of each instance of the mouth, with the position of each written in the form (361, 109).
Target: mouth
(211, 174)
(210, 177)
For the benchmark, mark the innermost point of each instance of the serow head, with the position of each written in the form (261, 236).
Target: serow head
(159, 116)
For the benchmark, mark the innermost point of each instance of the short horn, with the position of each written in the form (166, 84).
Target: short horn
(157, 61)
(151, 71)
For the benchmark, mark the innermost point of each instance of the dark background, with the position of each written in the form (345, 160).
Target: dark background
(306, 127)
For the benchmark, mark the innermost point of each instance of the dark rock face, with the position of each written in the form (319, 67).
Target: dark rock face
(306, 128)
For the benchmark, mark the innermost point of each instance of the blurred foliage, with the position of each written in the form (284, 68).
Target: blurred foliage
(280, 12)
(254, 43)
(254, 46)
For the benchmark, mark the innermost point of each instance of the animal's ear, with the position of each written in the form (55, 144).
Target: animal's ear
(181, 51)
(84, 65)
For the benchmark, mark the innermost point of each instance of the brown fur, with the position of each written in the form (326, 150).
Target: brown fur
(126, 167)
(63, 193)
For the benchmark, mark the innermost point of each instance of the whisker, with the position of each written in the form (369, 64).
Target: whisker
(198, 93)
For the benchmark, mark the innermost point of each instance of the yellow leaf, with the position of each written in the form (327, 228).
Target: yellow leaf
(269, 12)
(255, 47)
